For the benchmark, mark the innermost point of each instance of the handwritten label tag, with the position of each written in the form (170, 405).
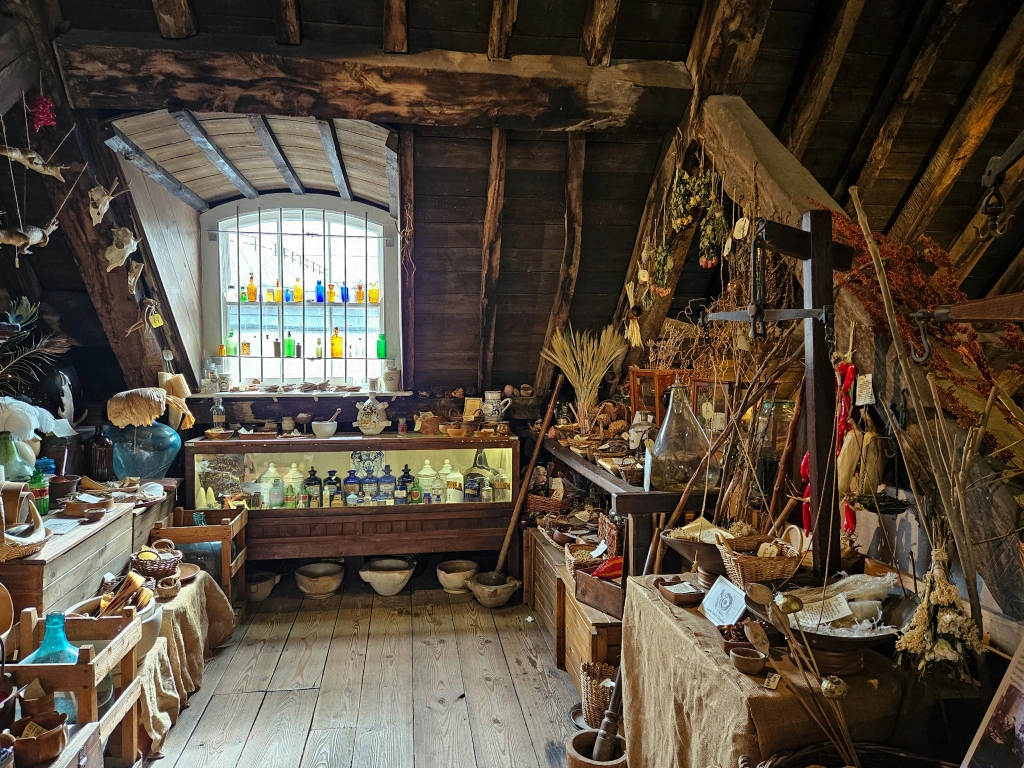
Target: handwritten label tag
(772, 681)
(865, 392)
(155, 320)
(824, 612)
(600, 549)
(768, 549)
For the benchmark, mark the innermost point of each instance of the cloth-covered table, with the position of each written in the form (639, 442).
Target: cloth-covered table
(686, 706)
(159, 701)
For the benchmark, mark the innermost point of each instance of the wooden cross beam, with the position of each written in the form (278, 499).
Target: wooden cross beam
(120, 143)
(261, 127)
(491, 257)
(396, 32)
(195, 131)
(175, 18)
(287, 24)
(329, 138)
(19, 71)
(503, 16)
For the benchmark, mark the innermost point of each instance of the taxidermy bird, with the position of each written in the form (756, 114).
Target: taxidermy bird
(124, 245)
(27, 236)
(33, 161)
(100, 199)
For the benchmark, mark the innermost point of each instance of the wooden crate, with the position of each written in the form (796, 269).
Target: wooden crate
(144, 519)
(222, 526)
(583, 633)
(70, 567)
(122, 634)
(84, 749)
(540, 575)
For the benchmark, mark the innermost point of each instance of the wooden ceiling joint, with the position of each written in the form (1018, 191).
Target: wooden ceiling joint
(396, 28)
(329, 138)
(176, 18)
(391, 171)
(19, 71)
(120, 143)
(491, 257)
(503, 16)
(287, 22)
(265, 134)
(820, 73)
(972, 123)
(195, 131)
(903, 85)
(599, 31)
(1012, 280)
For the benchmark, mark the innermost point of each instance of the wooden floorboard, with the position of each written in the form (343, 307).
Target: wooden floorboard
(278, 736)
(331, 748)
(546, 694)
(305, 652)
(384, 736)
(256, 657)
(337, 705)
(500, 734)
(221, 734)
(441, 733)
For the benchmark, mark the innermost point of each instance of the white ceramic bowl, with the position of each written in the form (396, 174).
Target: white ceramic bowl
(319, 581)
(325, 428)
(388, 575)
(453, 574)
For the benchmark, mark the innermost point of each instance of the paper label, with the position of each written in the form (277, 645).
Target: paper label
(557, 488)
(600, 549)
(724, 604)
(718, 422)
(707, 410)
(155, 320)
(471, 408)
(772, 681)
(823, 612)
(682, 588)
(768, 549)
(865, 392)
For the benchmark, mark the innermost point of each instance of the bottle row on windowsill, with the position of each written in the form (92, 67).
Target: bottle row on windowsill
(293, 348)
(296, 295)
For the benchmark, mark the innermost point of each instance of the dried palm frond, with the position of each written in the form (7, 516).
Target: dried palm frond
(584, 360)
(141, 407)
(24, 358)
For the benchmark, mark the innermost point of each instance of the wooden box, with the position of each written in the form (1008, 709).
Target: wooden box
(540, 576)
(582, 633)
(606, 596)
(144, 519)
(84, 749)
(222, 526)
(70, 567)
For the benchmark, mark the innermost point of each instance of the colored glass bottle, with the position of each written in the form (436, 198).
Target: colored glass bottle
(99, 457)
(337, 344)
(330, 293)
(277, 291)
(319, 292)
(387, 482)
(369, 485)
(332, 487)
(360, 293)
(243, 296)
(382, 347)
(270, 295)
(231, 345)
(297, 291)
(277, 347)
(246, 349)
(40, 488)
(374, 293)
(415, 493)
(319, 347)
(287, 295)
(289, 345)
(351, 484)
(343, 294)
(55, 648)
(250, 289)
(314, 489)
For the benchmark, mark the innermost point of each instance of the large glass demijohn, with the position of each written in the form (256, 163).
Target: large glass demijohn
(680, 447)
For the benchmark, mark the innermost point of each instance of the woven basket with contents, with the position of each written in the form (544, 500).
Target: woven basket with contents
(595, 695)
(746, 569)
(157, 562)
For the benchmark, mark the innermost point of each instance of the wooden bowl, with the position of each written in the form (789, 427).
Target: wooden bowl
(454, 431)
(219, 434)
(749, 661)
(319, 581)
(38, 749)
(33, 707)
(79, 508)
(6, 613)
(94, 515)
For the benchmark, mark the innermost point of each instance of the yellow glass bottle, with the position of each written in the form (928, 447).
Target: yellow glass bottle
(277, 291)
(297, 292)
(337, 344)
(250, 289)
(330, 293)
(374, 293)
(270, 295)
(360, 294)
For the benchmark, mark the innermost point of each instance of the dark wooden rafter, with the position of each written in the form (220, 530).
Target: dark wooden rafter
(503, 16)
(265, 134)
(175, 18)
(570, 268)
(1012, 279)
(396, 28)
(599, 31)
(195, 131)
(822, 67)
(491, 257)
(972, 123)
(391, 171)
(287, 22)
(406, 221)
(120, 143)
(19, 71)
(903, 85)
(969, 246)
(329, 138)
(433, 87)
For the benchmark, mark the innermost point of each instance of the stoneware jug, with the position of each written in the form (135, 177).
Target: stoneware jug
(493, 408)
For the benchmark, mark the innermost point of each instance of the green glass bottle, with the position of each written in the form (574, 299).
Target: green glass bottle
(289, 345)
(382, 347)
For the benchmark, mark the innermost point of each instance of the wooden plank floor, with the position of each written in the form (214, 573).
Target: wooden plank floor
(419, 680)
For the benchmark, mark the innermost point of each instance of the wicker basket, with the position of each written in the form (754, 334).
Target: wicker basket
(871, 756)
(613, 534)
(12, 547)
(595, 695)
(747, 569)
(573, 564)
(165, 565)
(544, 505)
(632, 475)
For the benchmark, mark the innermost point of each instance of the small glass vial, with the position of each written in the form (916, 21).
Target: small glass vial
(486, 491)
(218, 415)
(403, 426)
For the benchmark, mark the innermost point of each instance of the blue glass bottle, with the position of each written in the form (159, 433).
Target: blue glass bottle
(387, 483)
(55, 648)
(369, 485)
(319, 292)
(343, 294)
(331, 488)
(351, 484)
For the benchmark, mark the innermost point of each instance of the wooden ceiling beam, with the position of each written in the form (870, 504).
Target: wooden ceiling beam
(195, 131)
(329, 138)
(396, 28)
(391, 171)
(969, 247)
(599, 31)
(436, 87)
(406, 233)
(570, 267)
(287, 22)
(19, 71)
(903, 85)
(819, 75)
(969, 128)
(265, 134)
(503, 16)
(1012, 280)
(176, 18)
(120, 143)
(491, 263)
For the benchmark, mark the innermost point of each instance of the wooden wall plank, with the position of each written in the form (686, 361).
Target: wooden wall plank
(396, 32)
(120, 143)
(287, 23)
(491, 263)
(19, 71)
(391, 171)
(599, 31)
(176, 18)
(570, 255)
(503, 16)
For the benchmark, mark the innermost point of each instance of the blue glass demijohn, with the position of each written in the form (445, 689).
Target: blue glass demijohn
(144, 452)
(55, 648)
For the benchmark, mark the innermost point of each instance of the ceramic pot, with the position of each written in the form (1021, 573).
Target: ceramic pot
(493, 408)
(318, 581)
(391, 378)
(259, 586)
(388, 575)
(491, 595)
(453, 574)
(325, 428)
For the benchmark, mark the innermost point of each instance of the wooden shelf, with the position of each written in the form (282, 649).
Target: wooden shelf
(386, 441)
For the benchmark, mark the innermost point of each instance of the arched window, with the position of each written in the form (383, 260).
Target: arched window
(300, 289)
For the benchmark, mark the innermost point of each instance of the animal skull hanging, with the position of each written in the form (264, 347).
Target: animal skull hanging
(100, 199)
(33, 161)
(25, 237)
(134, 273)
(124, 245)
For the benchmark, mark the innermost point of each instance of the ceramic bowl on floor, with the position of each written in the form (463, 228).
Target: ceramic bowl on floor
(319, 581)
(258, 586)
(388, 575)
(453, 574)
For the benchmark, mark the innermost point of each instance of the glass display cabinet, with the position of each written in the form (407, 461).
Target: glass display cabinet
(354, 495)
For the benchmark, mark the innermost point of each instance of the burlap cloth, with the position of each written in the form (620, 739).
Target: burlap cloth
(159, 701)
(685, 706)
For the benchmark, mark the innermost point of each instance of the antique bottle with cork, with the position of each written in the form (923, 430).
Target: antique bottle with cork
(314, 489)
(218, 415)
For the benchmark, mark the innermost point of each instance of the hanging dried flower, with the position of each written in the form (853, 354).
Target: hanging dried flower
(41, 109)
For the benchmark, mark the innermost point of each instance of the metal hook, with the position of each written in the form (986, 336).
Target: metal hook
(992, 208)
(923, 357)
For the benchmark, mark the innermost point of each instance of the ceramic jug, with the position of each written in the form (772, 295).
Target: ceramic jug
(391, 377)
(493, 408)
